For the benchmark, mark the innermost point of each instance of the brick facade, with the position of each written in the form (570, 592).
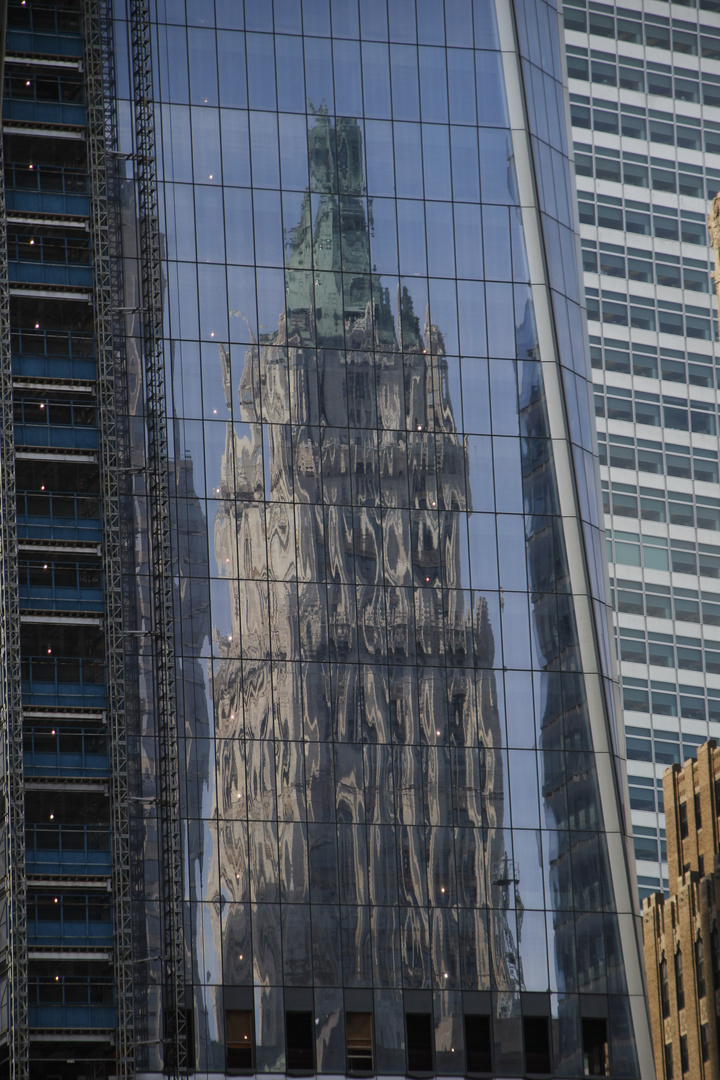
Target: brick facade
(682, 933)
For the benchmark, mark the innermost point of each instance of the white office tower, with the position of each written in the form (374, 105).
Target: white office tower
(645, 104)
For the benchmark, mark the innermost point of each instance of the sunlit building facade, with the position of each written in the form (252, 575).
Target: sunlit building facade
(645, 111)
(366, 782)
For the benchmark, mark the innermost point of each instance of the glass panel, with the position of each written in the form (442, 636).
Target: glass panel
(386, 751)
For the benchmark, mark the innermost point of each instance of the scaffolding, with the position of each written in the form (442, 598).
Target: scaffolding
(106, 232)
(13, 906)
(107, 296)
(158, 469)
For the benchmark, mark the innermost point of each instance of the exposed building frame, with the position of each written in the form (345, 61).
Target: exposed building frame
(13, 884)
(174, 1017)
(107, 288)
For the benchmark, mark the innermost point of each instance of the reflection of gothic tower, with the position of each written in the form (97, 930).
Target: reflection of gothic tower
(364, 753)
(343, 490)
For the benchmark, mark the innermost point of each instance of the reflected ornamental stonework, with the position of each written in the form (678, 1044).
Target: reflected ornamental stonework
(356, 663)
(390, 740)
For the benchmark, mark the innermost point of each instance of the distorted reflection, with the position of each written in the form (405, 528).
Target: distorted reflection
(367, 746)
(339, 531)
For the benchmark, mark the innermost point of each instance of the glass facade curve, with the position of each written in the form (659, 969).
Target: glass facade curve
(401, 812)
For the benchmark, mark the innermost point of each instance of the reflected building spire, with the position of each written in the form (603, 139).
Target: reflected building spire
(350, 488)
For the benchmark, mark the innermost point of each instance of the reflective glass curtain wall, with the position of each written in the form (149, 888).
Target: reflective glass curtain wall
(402, 815)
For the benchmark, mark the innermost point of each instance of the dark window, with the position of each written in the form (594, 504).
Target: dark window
(684, 1061)
(683, 820)
(595, 1047)
(705, 1042)
(698, 813)
(419, 1042)
(238, 1039)
(715, 956)
(679, 981)
(300, 1041)
(700, 967)
(664, 995)
(358, 1028)
(478, 1044)
(537, 1044)
(668, 1061)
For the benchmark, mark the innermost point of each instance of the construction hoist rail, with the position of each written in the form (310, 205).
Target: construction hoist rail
(107, 295)
(13, 885)
(158, 467)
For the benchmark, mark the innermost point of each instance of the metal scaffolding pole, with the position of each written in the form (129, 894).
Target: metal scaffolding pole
(175, 1033)
(13, 905)
(107, 290)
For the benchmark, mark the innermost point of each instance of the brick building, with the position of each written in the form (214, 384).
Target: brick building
(681, 936)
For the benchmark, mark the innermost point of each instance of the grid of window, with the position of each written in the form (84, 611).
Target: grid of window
(644, 123)
(630, 216)
(664, 602)
(386, 738)
(642, 27)
(54, 245)
(664, 747)
(664, 650)
(638, 264)
(675, 507)
(658, 553)
(639, 170)
(24, 83)
(649, 313)
(344, 555)
(667, 459)
(630, 73)
(62, 18)
(647, 409)
(662, 698)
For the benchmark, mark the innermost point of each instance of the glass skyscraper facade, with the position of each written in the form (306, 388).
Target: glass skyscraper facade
(365, 794)
(645, 111)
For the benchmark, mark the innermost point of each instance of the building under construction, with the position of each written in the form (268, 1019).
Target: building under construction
(309, 757)
(74, 502)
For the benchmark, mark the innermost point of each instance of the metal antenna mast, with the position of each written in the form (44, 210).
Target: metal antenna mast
(160, 549)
